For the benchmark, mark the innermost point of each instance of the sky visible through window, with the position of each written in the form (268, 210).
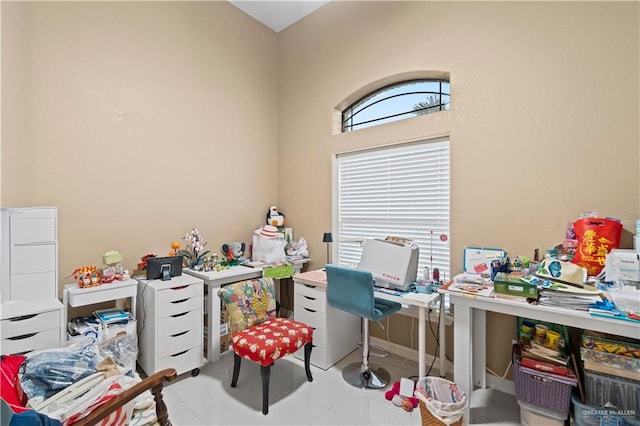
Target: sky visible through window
(396, 103)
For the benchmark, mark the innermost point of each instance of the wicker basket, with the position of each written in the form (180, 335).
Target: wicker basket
(429, 420)
(544, 390)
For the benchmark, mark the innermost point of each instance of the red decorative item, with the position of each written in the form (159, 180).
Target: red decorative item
(596, 237)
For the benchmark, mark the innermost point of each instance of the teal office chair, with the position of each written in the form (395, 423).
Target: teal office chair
(351, 290)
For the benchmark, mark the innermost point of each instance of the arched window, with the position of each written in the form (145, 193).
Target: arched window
(397, 101)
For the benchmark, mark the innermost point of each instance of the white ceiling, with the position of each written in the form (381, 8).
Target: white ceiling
(278, 15)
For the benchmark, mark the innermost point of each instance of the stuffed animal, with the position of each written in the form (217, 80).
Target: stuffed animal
(407, 403)
(234, 250)
(274, 217)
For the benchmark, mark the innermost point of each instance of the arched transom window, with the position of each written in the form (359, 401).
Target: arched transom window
(397, 101)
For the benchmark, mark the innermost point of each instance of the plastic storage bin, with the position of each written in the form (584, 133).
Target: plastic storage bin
(531, 415)
(587, 415)
(601, 389)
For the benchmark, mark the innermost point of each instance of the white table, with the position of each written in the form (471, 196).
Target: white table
(419, 301)
(216, 279)
(469, 331)
(72, 295)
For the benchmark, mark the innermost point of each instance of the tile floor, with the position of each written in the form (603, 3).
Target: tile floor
(208, 399)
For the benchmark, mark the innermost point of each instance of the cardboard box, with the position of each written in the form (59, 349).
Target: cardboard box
(512, 285)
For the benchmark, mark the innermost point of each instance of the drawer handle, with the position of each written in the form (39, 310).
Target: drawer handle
(179, 334)
(181, 353)
(35, 243)
(310, 298)
(309, 310)
(309, 286)
(182, 287)
(24, 336)
(179, 315)
(180, 301)
(22, 318)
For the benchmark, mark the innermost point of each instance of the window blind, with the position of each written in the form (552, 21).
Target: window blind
(401, 191)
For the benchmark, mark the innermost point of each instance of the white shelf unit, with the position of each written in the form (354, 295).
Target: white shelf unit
(31, 313)
(74, 296)
(170, 326)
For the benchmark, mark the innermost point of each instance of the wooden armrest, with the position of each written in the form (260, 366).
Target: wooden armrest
(153, 382)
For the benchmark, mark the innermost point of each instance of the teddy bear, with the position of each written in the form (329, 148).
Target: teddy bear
(233, 251)
(393, 395)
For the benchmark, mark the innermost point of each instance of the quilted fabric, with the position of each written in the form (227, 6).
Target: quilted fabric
(248, 302)
(270, 340)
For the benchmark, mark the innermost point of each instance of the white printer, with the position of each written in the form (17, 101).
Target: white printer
(392, 264)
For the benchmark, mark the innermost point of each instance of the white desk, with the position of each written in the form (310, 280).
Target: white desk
(216, 279)
(469, 331)
(72, 295)
(420, 301)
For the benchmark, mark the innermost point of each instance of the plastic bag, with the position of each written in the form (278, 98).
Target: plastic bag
(298, 248)
(596, 237)
(445, 400)
(46, 372)
(100, 394)
(268, 250)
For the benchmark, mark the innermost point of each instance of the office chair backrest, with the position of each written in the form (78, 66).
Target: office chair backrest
(350, 290)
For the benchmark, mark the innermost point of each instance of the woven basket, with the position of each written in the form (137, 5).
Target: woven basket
(429, 420)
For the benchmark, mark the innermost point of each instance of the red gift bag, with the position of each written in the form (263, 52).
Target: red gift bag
(596, 237)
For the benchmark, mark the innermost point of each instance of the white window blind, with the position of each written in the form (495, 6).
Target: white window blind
(401, 191)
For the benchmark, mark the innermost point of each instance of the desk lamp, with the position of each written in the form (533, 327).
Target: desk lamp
(327, 238)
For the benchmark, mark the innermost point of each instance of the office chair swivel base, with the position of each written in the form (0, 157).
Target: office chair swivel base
(372, 378)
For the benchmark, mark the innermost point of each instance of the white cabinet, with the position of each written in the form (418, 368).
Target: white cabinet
(170, 330)
(27, 326)
(29, 254)
(335, 332)
(31, 316)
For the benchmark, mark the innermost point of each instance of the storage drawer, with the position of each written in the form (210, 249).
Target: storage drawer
(311, 291)
(36, 286)
(182, 361)
(313, 318)
(31, 341)
(308, 302)
(169, 344)
(34, 226)
(179, 306)
(33, 259)
(179, 323)
(179, 293)
(26, 324)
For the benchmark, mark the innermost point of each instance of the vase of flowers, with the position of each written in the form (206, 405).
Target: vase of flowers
(194, 254)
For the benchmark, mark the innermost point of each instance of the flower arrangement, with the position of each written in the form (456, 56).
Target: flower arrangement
(142, 265)
(194, 253)
(175, 248)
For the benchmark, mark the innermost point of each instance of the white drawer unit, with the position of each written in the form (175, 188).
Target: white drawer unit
(25, 327)
(170, 328)
(29, 255)
(335, 332)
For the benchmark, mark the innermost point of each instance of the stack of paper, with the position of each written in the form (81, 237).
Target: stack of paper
(568, 300)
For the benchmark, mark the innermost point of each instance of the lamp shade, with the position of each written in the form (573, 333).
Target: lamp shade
(327, 237)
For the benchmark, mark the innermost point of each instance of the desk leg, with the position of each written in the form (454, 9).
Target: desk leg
(65, 314)
(442, 338)
(463, 349)
(479, 331)
(213, 324)
(422, 342)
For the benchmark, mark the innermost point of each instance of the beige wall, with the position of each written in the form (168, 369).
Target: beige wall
(543, 125)
(107, 107)
(139, 120)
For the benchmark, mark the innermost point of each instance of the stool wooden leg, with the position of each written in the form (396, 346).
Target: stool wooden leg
(307, 360)
(237, 359)
(265, 372)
